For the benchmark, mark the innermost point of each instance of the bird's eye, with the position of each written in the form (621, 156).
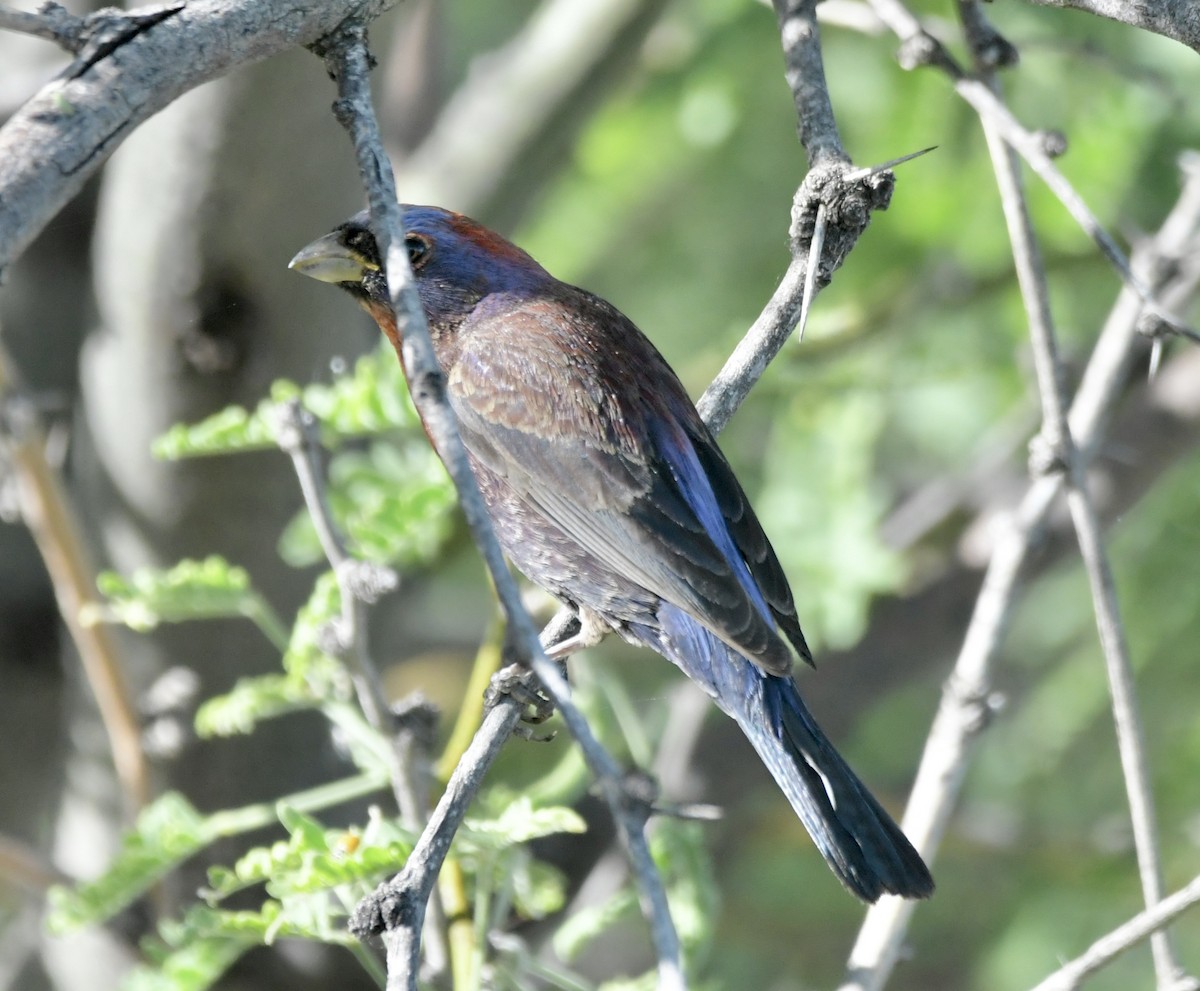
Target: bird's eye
(418, 250)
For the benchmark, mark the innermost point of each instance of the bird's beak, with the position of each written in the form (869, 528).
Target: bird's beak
(327, 259)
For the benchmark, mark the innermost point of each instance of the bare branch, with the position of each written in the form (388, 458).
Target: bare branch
(52, 22)
(965, 708)
(1058, 453)
(805, 72)
(989, 49)
(1175, 19)
(1107, 948)
(53, 144)
(361, 583)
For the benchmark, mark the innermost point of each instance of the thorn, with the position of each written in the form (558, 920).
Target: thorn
(1156, 351)
(871, 170)
(810, 274)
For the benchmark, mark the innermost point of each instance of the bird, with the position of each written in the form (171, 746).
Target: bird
(606, 488)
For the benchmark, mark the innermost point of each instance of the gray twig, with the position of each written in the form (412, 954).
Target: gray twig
(1059, 454)
(989, 48)
(360, 583)
(1176, 19)
(1038, 148)
(805, 73)
(400, 904)
(52, 22)
(1110, 946)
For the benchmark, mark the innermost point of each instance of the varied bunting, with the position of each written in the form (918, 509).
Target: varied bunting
(606, 488)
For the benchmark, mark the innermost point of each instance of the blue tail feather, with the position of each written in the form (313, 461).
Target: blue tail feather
(861, 843)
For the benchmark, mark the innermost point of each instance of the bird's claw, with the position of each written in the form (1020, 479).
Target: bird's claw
(520, 684)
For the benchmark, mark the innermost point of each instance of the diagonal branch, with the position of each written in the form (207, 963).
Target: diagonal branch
(1110, 946)
(1175, 19)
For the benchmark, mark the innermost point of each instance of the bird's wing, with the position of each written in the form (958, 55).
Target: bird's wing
(592, 437)
(747, 533)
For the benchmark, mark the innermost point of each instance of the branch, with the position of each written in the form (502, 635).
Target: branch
(834, 200)
(52, 22)
(1175, 19)
(920, 48)
(348, 61)
(360, 583)
(1057, 453)
(61, 137)
(47, 511)
(805, 74)
(1125, 937)
(965, 708)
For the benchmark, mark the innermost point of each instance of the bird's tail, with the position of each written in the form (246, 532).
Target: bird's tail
(861, 843)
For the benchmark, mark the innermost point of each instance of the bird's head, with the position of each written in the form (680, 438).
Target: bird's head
(456, 261)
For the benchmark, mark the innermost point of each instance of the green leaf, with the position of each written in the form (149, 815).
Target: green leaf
(314, 859)
(592, 921)
(520, 822)
(311, 678)
(373, 399)
(538, 889)
(252, 700)
(208, 589)
(231, 430)
(192, 953)
(304, 658)
(167, 832)
(394, 502)
(194, 966)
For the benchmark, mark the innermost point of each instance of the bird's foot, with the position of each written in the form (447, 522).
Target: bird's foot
(520, 684)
